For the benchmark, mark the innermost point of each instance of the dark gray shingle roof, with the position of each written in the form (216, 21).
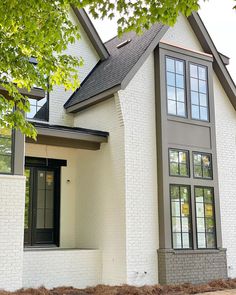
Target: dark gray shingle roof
(112, 71)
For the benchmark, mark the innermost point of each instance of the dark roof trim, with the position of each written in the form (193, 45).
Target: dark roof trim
(110, 92)
(71, 132)
(218, 64)
(93, 100)
(224, 58)
(91, 32)
(35, 93)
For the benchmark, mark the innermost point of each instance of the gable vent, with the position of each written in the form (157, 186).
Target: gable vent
(123, 43)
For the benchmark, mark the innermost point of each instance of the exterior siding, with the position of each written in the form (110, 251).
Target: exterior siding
(81, 48)
(226, 151)
(53, 268)
(182, 35)
(12, 198)
(138, 107)
(101, 190)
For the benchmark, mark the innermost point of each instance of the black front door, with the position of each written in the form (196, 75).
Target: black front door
(42, 206)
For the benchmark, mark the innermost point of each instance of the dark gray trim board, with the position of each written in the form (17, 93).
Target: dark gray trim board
(69, 136)
(93, 100)
(19, 153)
(81, 98)
(35, 93)
(91, 32)
(218, 64)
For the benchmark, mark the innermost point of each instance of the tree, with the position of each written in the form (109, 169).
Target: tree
(41, 29)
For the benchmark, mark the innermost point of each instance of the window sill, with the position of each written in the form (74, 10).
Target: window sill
(53, 248)
(192, 251)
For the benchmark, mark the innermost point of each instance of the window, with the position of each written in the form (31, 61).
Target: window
(198, 88)
(181, 217)
(38, 109)
(205, 217)
(175, 69)
(5, 151)
(202, 165)
(178, 163)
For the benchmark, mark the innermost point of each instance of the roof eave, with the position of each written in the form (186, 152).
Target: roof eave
(218, 63)
(93, 100)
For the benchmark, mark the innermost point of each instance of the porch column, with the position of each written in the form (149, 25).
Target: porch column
(12, 202)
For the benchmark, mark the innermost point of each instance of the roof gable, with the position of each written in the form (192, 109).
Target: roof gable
(118, 69)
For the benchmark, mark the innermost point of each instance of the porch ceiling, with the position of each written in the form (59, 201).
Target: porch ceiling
(72, 137)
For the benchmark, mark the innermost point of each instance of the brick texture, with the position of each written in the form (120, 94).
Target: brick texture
(53, 268)
(12, 194)
(191, 266)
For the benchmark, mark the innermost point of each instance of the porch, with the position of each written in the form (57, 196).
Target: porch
(56, 252)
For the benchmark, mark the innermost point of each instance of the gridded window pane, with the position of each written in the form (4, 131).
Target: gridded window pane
(202, 165)
(181, 217)
(175, 81)
(199, 97)
(5, 151)
(205, 217)
(35, 107)
(178, 163)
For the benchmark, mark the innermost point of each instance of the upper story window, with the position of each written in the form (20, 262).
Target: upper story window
(187, 89)
(198, 88)
(175, 77)
(38, 109)
(5, 151)
(202, 165)
(178, 163)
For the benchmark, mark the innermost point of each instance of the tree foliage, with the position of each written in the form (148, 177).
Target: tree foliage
(42, 29)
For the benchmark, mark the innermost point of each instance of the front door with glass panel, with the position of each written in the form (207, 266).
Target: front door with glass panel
(41, 206)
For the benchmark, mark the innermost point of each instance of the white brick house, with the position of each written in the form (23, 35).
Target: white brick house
(104, 198)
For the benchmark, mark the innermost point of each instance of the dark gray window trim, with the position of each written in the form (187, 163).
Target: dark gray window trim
(188, 161)
(162, 150)
(191, 218)
(185, 55)
(202, 153)
(185, 84)
(214, 217)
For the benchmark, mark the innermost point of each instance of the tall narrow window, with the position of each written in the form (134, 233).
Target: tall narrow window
(202, 165)
(5, 150)
(199, 96)
(178, 163)
(205, 217)
(181, 217)
(175, 80)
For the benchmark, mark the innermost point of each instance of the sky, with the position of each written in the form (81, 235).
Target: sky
(219, 19)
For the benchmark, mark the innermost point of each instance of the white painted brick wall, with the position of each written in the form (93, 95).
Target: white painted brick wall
(226, 154)
(12, 200)
(101, 190)
(53, 268)
(81, 48)
(138, 107)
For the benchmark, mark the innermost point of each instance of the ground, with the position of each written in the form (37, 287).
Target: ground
(218, 287)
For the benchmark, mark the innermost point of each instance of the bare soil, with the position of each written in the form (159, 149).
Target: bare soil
(131, 290)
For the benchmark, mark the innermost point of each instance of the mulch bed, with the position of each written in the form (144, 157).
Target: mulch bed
(131, 290)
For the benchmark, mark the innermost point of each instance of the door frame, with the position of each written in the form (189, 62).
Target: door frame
(35, 164)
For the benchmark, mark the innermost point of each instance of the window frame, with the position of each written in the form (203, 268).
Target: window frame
(191, 233)
(185, 87)
(187, 162)
(12, 137)
(207, 154)
(207, 91)
(214, 217)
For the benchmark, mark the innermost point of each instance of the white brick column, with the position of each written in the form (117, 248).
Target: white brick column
(12, 200)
